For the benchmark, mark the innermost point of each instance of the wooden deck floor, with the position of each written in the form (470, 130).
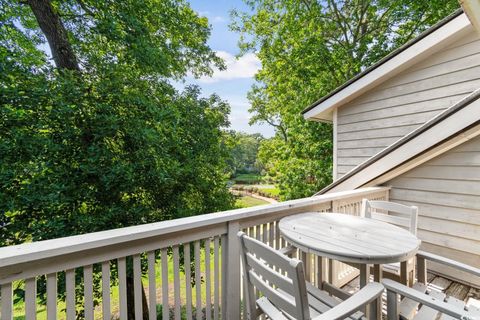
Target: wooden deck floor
(469, 294)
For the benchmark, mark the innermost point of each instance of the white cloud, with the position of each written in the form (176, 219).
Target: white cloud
(218, 19)
(244, 67)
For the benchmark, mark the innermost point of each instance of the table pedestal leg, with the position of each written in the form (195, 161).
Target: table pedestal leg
(364, 275)
(322, 274)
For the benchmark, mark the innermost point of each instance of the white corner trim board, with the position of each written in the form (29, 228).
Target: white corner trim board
(472, 9)
(418, 51)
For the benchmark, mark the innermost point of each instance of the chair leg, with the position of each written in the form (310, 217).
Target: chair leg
(377, 277)
(392, 311)
(422, 270)
(404, 273)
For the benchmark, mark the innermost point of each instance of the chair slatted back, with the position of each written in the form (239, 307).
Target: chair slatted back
(391, 212)
(264, 269)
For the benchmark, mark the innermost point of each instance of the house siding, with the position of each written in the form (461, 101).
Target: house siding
(378, 118)
(446, 191)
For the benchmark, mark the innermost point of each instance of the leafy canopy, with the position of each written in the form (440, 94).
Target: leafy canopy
(308, 48)
(113, 144)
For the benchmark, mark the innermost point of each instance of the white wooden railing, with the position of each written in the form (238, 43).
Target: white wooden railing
(106, 256)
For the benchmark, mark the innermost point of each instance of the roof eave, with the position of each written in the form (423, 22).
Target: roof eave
(452, 27)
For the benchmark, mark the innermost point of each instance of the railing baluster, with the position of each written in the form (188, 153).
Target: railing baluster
(198, 280)
(188, 280)
(52, 296)
(208, 284)
(122, 287)
(265, 233)
(277, 236)
(152, 286)
(216, 278)
(165, 306)
(106, 310)
(88, 291)
(7, 302)
(30, 299)
(176, 283)
(70, 299)
(137, 286)
(271, 235)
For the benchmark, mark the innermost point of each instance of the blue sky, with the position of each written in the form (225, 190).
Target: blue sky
(233, 84)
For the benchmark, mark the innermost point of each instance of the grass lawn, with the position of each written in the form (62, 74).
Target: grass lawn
(247, 178)
(269, 189)
(247, 201)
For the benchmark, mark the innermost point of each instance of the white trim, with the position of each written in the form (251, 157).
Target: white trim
(335, 144)
(472, 9)
(434, 136)
(438, 39)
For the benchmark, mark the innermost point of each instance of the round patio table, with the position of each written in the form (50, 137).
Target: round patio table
(352, 239)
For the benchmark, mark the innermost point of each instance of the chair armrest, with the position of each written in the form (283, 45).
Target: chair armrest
(425, 300)
(356, 302)
(288, 250)
(449, 262)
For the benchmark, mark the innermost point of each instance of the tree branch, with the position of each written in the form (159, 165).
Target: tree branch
(53, 28)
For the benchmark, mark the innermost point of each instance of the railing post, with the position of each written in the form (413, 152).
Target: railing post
(233, 271)
(422, 270)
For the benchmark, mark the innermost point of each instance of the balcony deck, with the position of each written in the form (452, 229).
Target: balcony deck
(119, 256)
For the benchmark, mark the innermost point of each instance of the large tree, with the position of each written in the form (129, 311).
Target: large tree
(308, 48)
(92, 134)
(101, 139)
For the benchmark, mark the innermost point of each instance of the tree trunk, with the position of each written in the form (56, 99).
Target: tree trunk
(131, 301)
(53, 28)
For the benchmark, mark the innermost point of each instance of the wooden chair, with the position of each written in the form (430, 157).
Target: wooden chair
(417, 303)
(402, 216)
(284, 294)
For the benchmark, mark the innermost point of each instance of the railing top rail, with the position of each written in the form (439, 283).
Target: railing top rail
(12, 255)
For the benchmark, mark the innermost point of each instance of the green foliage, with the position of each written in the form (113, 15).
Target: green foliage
(307, 48)
(115, 144)
(104, 152)
(244, 150)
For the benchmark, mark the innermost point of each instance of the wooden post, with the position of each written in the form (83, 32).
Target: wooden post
(392, 312)
(305, 257)
(422, 270)
(233, 271)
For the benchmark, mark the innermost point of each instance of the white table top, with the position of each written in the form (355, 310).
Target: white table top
(349, 238)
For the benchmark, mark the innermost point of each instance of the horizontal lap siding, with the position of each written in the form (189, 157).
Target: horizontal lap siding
(378, 118)
(446, 190)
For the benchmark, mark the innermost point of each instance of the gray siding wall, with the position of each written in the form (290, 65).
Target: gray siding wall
(446, 190)
(378, 118)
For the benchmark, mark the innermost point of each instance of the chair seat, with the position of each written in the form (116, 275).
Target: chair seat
(319, 302)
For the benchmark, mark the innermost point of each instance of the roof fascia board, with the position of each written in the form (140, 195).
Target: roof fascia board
(441, 37)
(427, 155)
(442, 131)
